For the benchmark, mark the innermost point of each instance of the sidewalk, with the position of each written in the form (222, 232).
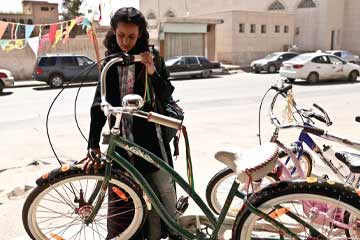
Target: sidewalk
(27, 83)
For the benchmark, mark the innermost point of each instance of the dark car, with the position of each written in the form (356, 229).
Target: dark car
(192, 66)
(272, 62)
(59, 68)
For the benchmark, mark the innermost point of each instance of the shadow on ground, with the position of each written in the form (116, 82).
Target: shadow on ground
(322, 82)
(5, 93)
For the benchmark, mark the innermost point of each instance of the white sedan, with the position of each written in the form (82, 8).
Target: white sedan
(318, 66)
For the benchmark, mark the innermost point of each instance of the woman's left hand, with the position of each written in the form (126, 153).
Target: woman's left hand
(147, 60)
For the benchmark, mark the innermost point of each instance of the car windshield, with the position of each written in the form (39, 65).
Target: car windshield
(272, 55)
(302, 58)
(171, 61)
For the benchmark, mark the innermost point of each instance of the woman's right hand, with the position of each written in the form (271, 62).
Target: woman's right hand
(92, 160)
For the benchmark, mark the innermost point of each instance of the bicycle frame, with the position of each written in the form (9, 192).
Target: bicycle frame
(116, 140)
(334, 164)
(113, 156)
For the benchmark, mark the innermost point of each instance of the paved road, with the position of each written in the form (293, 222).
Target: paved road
(220, 111)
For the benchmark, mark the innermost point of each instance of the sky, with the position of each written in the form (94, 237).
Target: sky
(110, 5)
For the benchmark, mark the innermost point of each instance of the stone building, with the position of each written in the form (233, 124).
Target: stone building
(252, 29)
(34, 12)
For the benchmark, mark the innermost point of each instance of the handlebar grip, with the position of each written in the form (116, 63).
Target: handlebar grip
(314, 130)
(164, 120)
(318, 117)
(327, 118)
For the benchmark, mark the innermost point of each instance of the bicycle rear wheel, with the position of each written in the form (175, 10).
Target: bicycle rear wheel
(57, 210)
(219, 186)
(331, 209)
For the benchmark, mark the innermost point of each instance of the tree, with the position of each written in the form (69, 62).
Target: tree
(71, 8)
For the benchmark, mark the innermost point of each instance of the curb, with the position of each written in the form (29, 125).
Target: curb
(27, 83)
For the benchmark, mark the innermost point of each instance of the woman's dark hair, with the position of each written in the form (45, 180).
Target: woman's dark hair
(127, 15)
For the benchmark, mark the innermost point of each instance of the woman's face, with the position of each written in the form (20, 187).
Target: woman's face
(126, 35)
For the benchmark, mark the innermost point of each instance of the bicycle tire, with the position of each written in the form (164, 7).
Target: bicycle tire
(55, 193)
(310, 192)
(216, 198)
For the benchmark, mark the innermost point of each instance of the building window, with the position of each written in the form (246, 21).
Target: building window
(297, 30)
(286, 29)
(307, 4)
(44, 8)
(277, 28)
(169, 13)
(151, 16)
(276, 6)
(263, 28)
(241, 28)
(29, 21)
(52, 9)
(253, 28)
(4, 20)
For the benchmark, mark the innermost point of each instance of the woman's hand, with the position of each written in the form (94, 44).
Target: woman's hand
(147, 60)
(92, 160)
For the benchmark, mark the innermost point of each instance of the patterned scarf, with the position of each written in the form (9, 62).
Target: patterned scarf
(126, 84)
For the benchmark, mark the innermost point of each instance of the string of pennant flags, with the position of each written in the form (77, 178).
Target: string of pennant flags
(52, 38)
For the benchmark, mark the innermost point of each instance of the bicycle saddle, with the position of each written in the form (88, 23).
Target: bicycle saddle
(251, 164)
(351, 160)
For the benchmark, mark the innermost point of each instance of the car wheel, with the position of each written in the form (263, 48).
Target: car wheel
(56, 81)
(272, 69)
(2, 86)
(205, 74)
(290, 79)
(313, 78)
(353, 76)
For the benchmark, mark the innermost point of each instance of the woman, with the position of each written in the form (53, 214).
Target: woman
(128, 34)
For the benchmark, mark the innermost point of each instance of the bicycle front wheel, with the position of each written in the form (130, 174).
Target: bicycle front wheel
(58, 209)
(219, 186)
(309, 209)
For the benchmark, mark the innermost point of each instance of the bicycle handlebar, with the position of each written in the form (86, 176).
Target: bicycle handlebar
(326, 117)
(134, 102)
(306, 128)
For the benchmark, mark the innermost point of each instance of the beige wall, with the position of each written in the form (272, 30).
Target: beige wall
(51, 16)
(315, 24)
(351, 28)
(21, 62)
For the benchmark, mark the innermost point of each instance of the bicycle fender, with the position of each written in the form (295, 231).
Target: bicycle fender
(66, 169)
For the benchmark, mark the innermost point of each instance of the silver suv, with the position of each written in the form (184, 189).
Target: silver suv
(55, 69)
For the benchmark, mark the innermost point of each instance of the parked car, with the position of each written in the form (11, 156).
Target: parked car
(6, 79)
(192, 66)
(272, 62)
(55, 69)
(318, 66)
(348, 56)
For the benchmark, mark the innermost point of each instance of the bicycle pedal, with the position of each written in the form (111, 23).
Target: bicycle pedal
(182, 204)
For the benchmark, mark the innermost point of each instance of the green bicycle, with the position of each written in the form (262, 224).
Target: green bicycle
(69, 204)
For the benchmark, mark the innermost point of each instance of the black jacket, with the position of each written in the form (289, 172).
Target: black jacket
(144, 132)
